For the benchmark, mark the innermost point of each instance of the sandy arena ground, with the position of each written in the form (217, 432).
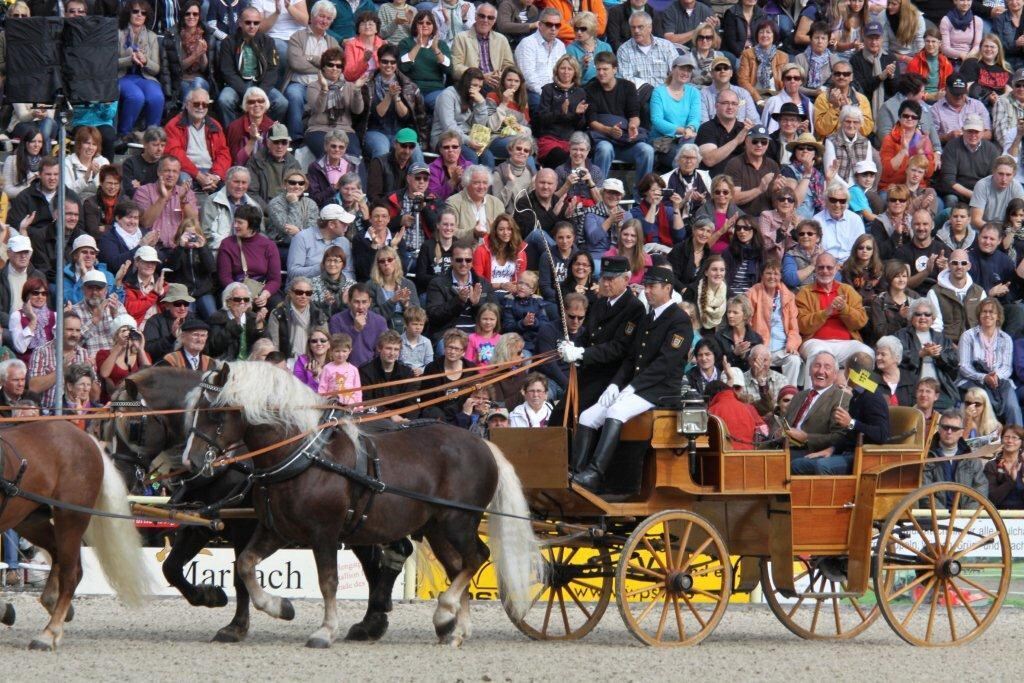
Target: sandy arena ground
(167, 641)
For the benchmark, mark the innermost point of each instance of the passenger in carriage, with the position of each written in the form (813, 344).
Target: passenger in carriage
(865, 412)
(729, 404)
(652, 371)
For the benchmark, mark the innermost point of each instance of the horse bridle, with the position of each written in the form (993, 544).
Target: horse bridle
(213, 448)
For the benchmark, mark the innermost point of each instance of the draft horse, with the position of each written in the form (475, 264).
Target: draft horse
(141, 440)
(307, 501)
(65, 464)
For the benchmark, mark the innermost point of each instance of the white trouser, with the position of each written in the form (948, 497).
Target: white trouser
(840, 349)
(627, 406)
(789, 365)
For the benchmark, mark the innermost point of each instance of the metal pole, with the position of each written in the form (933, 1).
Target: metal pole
(58, 337)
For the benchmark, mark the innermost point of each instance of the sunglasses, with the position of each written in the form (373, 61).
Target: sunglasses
(386, 62)
(487, 17)
(836, 200)
(302, 292)
(317, 341)
(723, 193)
(386, 259)
(793, 78)
(759, 142)
(705, 37)
(897, 200)
(462, 260)
(910, 117)
(146, 14)
(38, 292)
(239, 299)
(252, 102)
(787, 200)
(843, 74)
(252, 23)
(958, 263)
(922, 314)
(951, 428)
(200, 105)
(580, 29)
(745, 228)
(451, 146)
(297, 183)
(824, 267)
(407, 145)
(723, 67)
(179, 304)
(807, 233)
(575, 317)
(552, 24)
(334, 65)
(191, 14)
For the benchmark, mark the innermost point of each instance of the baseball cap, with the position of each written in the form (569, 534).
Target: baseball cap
(406, 136)
(147, 253)
(956, 84)
(84, 241)
(865, 166)
(613, 185)
(685, 60)
(873, 28)
(758, 132)
(973, 122)
(721, 60)
(416, 169)
(1018, 75)
(335, 212)
(279, 131)
(94, 277)
(19, 243)
(497, 412)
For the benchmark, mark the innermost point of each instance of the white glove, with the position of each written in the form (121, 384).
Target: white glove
(569, 352)
(609, 396)
(628, 391)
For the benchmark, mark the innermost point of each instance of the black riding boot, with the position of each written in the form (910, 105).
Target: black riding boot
(582, 445)
(590, 478)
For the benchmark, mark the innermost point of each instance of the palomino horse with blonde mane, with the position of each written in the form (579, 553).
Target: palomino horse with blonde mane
(320, 491)
(66, 465)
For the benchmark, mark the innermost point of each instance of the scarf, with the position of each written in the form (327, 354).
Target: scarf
(711, 305)
(299, 329)
(130, 239)
(765, 59)
(335, 108)
(43, 317)
(816, 65)
(1018, 235)
(961, 22)
(878, 94)
(190, 46)
(380, 87)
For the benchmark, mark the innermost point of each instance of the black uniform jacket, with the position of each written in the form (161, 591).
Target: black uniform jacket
(608, 337)
(870, 412)
(654, 367)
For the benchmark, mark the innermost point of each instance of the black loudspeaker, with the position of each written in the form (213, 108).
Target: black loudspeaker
(45, 54)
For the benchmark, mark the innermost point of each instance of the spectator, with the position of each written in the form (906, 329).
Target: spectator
(550, 335)
(197, 140)
(291, 322)
(290, 211)
(644, 59)
(42, 364)
(359, 322)
(82, 167)
(720, 138)
(97, 312)
(961, 32)
(928, 353)
(790, 106)
(904, 30)
(388, 173)
(193, 265)
(966, 161)
(926, 256)
(613, 116)
(893, 228)
(830, 102)
(926, 398)
(744, 257)
(482, 48)
(581, 278)
(986, 354)
(246, 133)
(761, 64)
(391, 291)
(517, 19)
(987, 72)
(386, 368)
(344, 24)
(13, 276)
(31, 325)
(485, 335)
(847, 146)
(585, 44)
(659, 211)
(1004, 472)
(874, 69)
(143, 287)
(931, 65)
(523, 311)
(501, 257)
(78, 383)
(990, 196)
(957, 233)
(235, 328)
(538, 54)
(417, 351)
(995, 272)
(743, 423)
(246, 60)
(707, 366)
(803, 176)
(395, 108)
(83, 261)
(340, 378)
(454, 297)
(475, 209)
(309, 364)
(331, 173)
(191, 43)
(709, 295)
(251, 258)
(840, 226)
(452, 366)
(688, 21)
(330, 287)
(831, 314)
(900, 383)
(762, 385)
(535, 411)
(890, 308)
(947, 443)
(753, 172)
(904, 142)
(514, 177)
(98, 210)
(22, 167)
(163, 331)
(269, 165)
(774, 319)
(425, 58)
(459, 108)
(33, 204)
(980, 423)
(435, 256)
(140, 169)
(956, 297)
(366, 245)
(138, 69)
(735, 337)
(125, 356)
(305, 47)
(219, 208)
(951, 112)
(164, 203)
(193, 334)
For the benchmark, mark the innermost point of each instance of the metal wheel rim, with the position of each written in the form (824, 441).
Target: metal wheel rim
(674, 607)
(931, 604)
(824, 612)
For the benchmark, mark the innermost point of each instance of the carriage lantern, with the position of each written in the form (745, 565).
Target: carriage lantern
(692, 419)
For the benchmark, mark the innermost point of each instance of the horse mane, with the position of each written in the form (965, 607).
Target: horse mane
(269, 395)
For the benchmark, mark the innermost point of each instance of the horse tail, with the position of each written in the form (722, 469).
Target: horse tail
(116, 541)
(514, 548)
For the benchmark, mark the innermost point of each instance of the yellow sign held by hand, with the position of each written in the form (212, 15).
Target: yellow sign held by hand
(862, 378)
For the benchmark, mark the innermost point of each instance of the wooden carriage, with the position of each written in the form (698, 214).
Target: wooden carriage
(829, 553)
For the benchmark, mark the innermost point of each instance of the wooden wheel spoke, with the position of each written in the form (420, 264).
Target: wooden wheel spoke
(799, 601)
(971, 548)
(978, 586)
(953, 509)
(900, 541)
(638, 591)
(917, 602)
(572, 554)
(706, 594)
(696, 553)
(664, 619)
(650, 606)
(930, 545)
(682, 544)
(963, 532)
(579, 604)
(655, 555)
(801, 575)
(588, 586)
(933, 512)
(679, 618)
(814, 618)
(649, 572)
(708, 569)
(908, 567)
(931, 610)
(963, 601)
(950, 615)
(547, 612)
(859, 609)
(536, 598)
(565, 613)
(666, 539)
(693, 610)
(910, 586)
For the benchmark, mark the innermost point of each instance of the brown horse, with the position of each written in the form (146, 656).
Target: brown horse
(316, 507)
(68, 465)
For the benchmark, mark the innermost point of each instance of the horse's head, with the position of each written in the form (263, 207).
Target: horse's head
(211, 431)
(153, 389)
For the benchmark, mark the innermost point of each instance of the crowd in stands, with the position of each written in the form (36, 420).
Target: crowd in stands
(368, 192)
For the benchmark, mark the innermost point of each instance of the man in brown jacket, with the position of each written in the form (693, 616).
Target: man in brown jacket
(830, 315)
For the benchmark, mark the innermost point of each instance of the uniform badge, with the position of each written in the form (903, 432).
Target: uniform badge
(630, 327)
(677, 341)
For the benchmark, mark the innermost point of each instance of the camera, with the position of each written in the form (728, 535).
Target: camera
(192, 238)
(580, 173)
(418, 203)
(134, 336)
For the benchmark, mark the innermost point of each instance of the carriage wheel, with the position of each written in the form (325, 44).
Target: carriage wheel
(573, 593)
(939, 579)
(814, 617)
(674, 579)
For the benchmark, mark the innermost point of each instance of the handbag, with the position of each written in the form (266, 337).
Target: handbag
(254, 286)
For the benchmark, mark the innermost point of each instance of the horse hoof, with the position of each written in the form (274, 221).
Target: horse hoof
(9, 616)
(215, 597)
(287, 610)
(70, 615)
(40, 645)
(228, 635)
(444, 630)
(318, 643)
(357, 633)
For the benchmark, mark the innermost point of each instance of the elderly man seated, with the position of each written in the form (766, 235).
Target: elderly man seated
(862, 408)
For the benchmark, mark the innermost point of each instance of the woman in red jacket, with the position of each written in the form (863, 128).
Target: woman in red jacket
(740, 418)
(906, 140)
(501, 258)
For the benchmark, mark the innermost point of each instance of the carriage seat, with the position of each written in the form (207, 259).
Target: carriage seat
(908, 443)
